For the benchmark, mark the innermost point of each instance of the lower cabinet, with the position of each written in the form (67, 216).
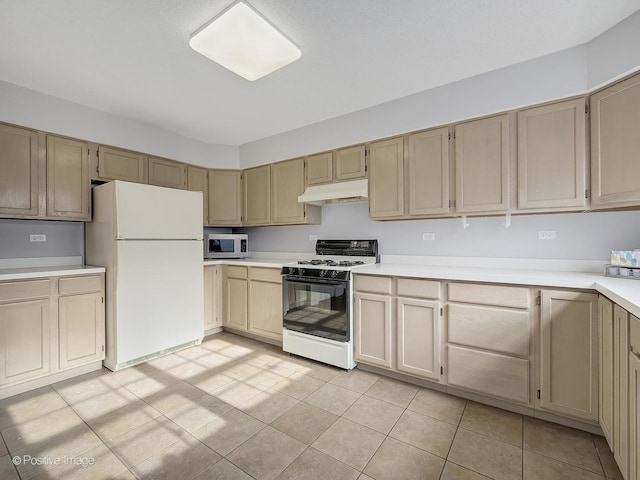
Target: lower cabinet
(81, 329)
(634, 399)
(569, 354)
(253, 300)
(606, 370)
(418, 337)
(372, 323)
(621, 360)
(212, 303)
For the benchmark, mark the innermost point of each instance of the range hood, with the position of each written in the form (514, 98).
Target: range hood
(353, 191)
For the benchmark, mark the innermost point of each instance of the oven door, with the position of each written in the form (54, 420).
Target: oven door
(316, 306)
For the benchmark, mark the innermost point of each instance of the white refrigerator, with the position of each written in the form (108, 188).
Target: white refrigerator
(150, 241)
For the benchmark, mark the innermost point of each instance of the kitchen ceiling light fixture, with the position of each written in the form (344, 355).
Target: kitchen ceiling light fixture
(243, 41)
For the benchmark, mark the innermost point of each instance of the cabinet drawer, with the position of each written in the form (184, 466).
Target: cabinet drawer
(72, 285)
(266, 274)
(496, 329)
(24, 290)
(634, 334)
(412, 287)
(234, 271)
(499, 295)
(490, 373)
(373, 284)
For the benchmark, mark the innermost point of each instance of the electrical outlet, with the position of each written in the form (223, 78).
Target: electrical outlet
(429, 236)
(313, 238)
(547, 235)
(37, 238)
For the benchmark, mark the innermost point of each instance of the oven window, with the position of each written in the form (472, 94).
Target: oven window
(320, 309)
(221, 245)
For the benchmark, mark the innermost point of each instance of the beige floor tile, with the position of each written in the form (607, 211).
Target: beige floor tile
(211, 380)
(183, 459)
(349, 442)
(393, 391)
(229, 431)
(133, 374)
(490, 457)
(315, 465)
(109, 402)
(174, 397)
(456, 472)
(240, 370)
(611, 470)
(189, 370)
(88, 386)
(304, 422)
(538, 467)
(438, 405)
(427, 433)
(356, 380)
(298, 385)
(396, 460)
(148, 386)
(122, 420)
(493, 422)
(195, 352)
(235, 393)
(265, 378)
(222, 470)
(167, 362)
(562, 443)
(3, 448)
(332, 398)
(7, 469)
(265, 455)
(194, 414)
(216, 360)
(29, 406)
(99, 462)
(135, 446)
(319, 370)
(374, 413)
(267, 406)
(365, 477)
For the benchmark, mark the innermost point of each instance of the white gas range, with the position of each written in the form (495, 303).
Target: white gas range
(317, 301)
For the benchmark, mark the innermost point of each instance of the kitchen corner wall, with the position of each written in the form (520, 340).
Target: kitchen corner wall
(64, 239)
(580, 236)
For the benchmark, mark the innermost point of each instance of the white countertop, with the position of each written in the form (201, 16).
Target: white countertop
(51, 271)
(252, 261)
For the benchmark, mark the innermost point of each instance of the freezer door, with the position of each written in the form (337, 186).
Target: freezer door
(150, 212)
(159, 297)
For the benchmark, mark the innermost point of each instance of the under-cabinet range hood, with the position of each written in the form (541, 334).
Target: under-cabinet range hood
(353, 191)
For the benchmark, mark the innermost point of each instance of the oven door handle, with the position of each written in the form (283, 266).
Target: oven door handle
(314, 281)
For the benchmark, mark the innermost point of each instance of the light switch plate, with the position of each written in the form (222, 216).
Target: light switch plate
(429, 236)
(313, 238)
(37, 238)
(546, 235)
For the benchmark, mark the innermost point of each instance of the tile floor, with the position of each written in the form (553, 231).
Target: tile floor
(234, 408)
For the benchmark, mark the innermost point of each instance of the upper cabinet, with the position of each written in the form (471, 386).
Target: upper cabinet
(482, 165)
(320, 168)
(551, 156)
(615, 143)
(257, 196)
(287, 183)
(68, 183)
(198, 181)
(167, 173)
(350, 163)
(117, 164)
(19, 171)
(386, 179)
(225, 198)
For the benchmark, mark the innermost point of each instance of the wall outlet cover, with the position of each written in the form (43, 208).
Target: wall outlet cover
(546, 235)
(313, 238)
(37, 238)
(428, 236)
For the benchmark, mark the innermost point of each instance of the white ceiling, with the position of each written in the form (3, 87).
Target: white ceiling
(131, 57)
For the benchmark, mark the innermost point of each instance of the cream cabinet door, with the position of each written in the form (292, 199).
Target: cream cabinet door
(634, 416)
(606, 370)
(350, 163)
(320, 168)
(373, 317)
(225, 198)
(569, 353)
(257, 195)
(198, 181)
(386, 179)
(428, 178)
(236, 296)
(81, 329)
(620, 446)
(25, 338)
(116, 164)
(418, 338)
(615, 143)
(287, 183)
(551, 156)
(212, 311)
(482, 165)
(68, 182)
(265, 305)
(167, 173)
(19, 171)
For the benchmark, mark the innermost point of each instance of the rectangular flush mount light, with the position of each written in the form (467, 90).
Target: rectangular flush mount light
(243, 41)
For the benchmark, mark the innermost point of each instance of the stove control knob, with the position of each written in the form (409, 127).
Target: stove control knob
(323, 273)
(301, 271)
(334, 273)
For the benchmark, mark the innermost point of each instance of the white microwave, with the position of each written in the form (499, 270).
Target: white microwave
(226, 245)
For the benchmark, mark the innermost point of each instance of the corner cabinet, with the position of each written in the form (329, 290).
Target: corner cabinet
(386, 179)
(615, 143)
(118, 164)
(287, 183)
(569, 354)
(68, 182)
(225, 198)
(482, 165)
(257, 196)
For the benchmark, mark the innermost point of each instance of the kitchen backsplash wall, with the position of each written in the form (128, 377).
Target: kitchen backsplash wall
(579, 236)
(64, 239)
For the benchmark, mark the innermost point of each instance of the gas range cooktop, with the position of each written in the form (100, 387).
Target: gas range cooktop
(331, 263)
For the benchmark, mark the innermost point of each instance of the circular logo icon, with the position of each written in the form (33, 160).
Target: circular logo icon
(16, 460)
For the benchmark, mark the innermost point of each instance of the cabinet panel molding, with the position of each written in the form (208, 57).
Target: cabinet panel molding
(68, 179)
(19, 181)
